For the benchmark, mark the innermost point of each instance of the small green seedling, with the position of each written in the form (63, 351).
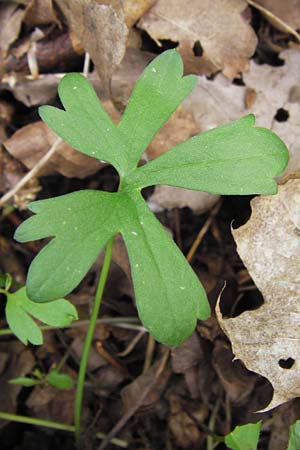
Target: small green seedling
(244, 437)
(238, 158)
(53, 378)
(20, 311)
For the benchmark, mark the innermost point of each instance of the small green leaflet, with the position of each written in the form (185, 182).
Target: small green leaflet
(168, 293)
(238, 158)
(81, 224)
(59, 380)
(294, 439)
(53, 378)
(234, 159)
(244, 437)
(20, 310)
(25, 381)
(85, 124)
(156, 95)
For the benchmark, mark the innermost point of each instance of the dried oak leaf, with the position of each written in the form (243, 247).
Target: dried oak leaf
(40, 12)
(212, 36)
(267, 339)
(102, 30)
(287, 11)
(31, 142)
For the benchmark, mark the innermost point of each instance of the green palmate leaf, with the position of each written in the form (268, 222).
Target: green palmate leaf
(294, 438)
(244, 437)
(85, 124)
(59, 380)
(19, 309)
(81, 223)
(168, 294)
(233, 159)
(156, 95)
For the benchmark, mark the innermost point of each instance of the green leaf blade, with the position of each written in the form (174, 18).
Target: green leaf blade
(84, 124)
(19, 309)
(244, 437)
(234, 159)
(156, 95)
(20, 323)
(81, 224)
(59, 380)
(168, 293)
(294, 438)
(24, 381)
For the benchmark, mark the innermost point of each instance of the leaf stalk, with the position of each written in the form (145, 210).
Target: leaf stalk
(89, 339)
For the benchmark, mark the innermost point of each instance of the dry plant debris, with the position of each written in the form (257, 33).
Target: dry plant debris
(267, 339)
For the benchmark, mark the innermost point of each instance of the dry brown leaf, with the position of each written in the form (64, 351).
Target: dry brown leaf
(237, 382)
(213, 26)
(15, 361)
(132, 392)
(135, 9)
(182, 422)
(277, 101)
(11, 17)
(287, 11)
(168, 197)
(101, 29)
(30, 143)
(40, 12)
(267, 339)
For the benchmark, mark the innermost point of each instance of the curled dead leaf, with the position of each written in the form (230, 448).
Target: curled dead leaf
(267, 339)
(206, 32)
(102, 30)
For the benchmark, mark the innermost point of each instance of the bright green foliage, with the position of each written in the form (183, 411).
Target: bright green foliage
(294, 439)
(25, 381)
(244, 437)
(59, 380)
(156, 95)
(53, 378)
(234, 159)
(20, 310)
(82, 223)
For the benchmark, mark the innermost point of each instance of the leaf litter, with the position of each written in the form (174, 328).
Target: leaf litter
(183, 403)
(267, 339)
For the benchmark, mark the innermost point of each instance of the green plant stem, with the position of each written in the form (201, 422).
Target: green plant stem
(89, 338)
(54, 425)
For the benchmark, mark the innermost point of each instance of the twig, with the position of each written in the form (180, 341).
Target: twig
(149, 353)
(31, 174)
(114, 321)
(138, 403)
(203, 232)
(132, 344)
(275, 18)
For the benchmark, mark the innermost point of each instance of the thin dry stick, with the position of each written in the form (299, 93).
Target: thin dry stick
(31, 174)
(149, 353)
(122, 422)
(132, 344)
(203, 232)
(275, 19)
